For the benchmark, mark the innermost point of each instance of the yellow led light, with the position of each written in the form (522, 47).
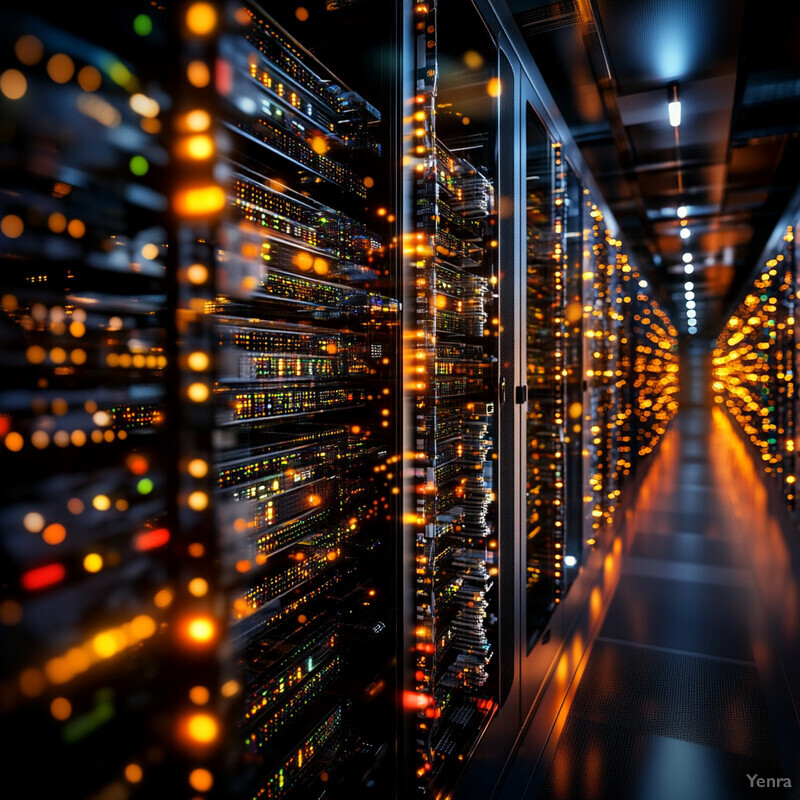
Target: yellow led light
(198, 392)
(93, 562)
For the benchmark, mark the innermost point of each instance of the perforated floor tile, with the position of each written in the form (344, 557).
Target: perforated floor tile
(713, 703)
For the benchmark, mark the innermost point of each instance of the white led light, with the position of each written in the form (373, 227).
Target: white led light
(674, 113)
(687, 257)
(690, 295)
(643, 283)
(688, 286)
(690, 304)
(570, 561)
(692, 330)
(246, 104)
(685, 233)
(682, 211)
(688, 269)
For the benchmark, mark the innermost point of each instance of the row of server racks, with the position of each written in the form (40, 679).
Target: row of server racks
(324, 379)
(754, 367)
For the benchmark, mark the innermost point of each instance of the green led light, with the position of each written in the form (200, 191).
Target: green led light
(143, 25)
(145, 486)
(139, 165)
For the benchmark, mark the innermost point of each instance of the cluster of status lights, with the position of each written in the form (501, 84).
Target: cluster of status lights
(754, 367)
(654, 371)
(632, 373)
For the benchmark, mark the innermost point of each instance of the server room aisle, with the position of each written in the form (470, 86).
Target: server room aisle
(672, 703)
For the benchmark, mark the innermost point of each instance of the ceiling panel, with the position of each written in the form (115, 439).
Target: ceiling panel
(609, 65)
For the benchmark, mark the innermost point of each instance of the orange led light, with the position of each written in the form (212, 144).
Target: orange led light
(201, 630)
(201, 18)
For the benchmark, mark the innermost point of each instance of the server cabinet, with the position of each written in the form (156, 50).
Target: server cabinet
(305, 328)
(451, 377)
(86, 525)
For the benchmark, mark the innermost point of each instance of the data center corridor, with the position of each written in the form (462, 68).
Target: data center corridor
(391, 408)
(677, 700)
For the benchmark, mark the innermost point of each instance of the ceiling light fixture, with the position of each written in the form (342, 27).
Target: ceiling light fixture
(674, 106)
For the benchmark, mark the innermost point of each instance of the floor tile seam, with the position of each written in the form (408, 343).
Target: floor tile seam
(700, 562)
(742, 580)
(745, 571)
(676, 651)
(683, 533)
(710, 515)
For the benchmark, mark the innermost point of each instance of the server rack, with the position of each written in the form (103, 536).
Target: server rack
(451, 367)
(305, 320)
(86, 566)
(754, 367)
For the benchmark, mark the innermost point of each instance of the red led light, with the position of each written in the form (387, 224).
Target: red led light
(138, 465)
(41, 577)
(148, 540)
(224, 77)
(416, 700)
